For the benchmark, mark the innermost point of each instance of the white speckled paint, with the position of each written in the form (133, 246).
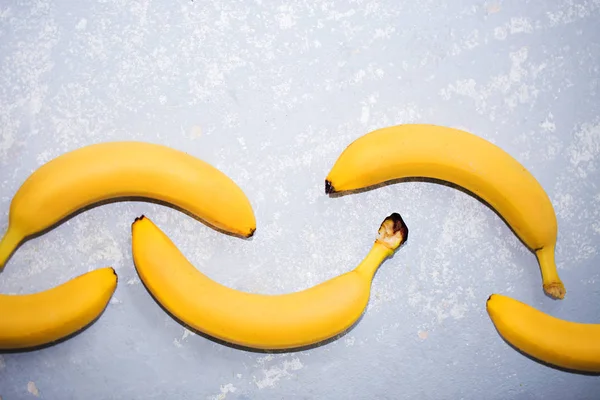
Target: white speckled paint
(271, 93)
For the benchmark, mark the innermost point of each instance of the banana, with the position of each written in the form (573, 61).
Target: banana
(566, 344)
(466, 160)
(32, 320)
(119, 170)
(252, 320)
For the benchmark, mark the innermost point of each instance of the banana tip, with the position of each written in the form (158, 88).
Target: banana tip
(252, 230)
(329, 189)
(141, 217)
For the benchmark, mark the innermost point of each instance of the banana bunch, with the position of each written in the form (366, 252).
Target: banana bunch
(107, 172)
(97, 174)
(482, 168)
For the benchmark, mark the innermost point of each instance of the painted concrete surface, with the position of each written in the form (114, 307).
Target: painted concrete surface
(271, 93)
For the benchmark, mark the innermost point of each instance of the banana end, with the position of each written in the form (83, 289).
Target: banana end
(393, 232)
(555, 290)
(115, 274)
(329, 189)
(552, 283)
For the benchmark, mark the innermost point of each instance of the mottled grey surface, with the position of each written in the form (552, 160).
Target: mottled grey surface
(271, 93)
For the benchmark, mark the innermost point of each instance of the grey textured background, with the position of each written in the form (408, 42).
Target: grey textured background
(271, 93)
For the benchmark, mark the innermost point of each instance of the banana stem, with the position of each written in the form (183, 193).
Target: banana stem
(553, 286)
(8, 244)
(373, 260)
(391, 234)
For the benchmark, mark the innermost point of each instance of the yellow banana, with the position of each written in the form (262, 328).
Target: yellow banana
(565, 344)
(466, 160)
(117, 170)
(32, 320)
(254, 320)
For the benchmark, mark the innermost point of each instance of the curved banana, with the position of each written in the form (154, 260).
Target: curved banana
(459, 157)
(32, 320)
(116, 170)
(566, 344)
(257, 320)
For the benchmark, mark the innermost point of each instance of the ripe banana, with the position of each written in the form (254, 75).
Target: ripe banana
(117, 170)
(447, 154)
(254, 320)
(32, 320)
(566, 344)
